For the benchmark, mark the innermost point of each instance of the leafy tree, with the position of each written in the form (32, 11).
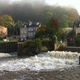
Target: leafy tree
(72, 15)
(19, 24)
(10, 31)
(15, 30)
(17, 27)
(41, 32)
(6, 21)
(52, 28)
(61, 18)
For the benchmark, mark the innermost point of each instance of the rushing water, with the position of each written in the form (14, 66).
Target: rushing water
(45, 61)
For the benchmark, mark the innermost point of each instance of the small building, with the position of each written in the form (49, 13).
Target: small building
(31, 29)
(76, 27)
(78, 31)
(71, 36)
(23, 33)
(28, 31)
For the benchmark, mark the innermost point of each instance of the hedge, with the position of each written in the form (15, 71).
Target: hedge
(8, 47)
(28, 48)
(33, 47)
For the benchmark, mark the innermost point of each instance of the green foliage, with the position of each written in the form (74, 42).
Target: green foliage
(10, 31)
(29, 48)
(77, 41)
(6, 21)
(15, 30)
(8, 47)
(56, 24)
(48, 44)
(52, 28)
(41, 32)
(19, 24)
(33, 47)
(38, 42)
(61, 35)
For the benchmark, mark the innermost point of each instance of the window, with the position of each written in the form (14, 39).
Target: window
(30, 29)
(30, 34)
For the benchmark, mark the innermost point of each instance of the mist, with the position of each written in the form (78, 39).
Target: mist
(25, 10)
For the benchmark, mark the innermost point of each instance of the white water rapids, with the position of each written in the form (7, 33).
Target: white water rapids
(45, 61)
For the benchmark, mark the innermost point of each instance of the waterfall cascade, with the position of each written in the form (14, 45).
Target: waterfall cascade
(45, 61)
(62, 54)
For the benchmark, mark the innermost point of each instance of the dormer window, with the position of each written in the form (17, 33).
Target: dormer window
(30, 29)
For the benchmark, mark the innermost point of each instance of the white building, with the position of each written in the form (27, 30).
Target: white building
(23, 33)
(28, 30)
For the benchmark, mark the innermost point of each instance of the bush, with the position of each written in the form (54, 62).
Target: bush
(48, 43)
(33, 47)
(8, 47)
(29, 48)
(39, 44)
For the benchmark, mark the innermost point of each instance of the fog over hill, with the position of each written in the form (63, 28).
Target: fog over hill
(25, 10)
(22, 10)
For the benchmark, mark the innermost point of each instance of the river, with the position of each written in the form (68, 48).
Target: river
(52, 65)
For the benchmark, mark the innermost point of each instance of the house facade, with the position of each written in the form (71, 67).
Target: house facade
(23, 33)
(78, 31)
(73, 33)
(28, 31)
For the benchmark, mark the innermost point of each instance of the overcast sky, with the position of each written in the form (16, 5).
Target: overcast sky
(68, 3)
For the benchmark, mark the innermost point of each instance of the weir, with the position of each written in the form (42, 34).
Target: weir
(44, 61)
(71, 48)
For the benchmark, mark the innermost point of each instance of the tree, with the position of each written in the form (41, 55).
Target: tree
(72, 15)
(61, 17)
(19, 24)
(6, 21)
(55, 27)
(41, 32)
(17, 27)
(52, 28)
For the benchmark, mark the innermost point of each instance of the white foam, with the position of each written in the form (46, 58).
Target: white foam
(46, 61)
(4, 55)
